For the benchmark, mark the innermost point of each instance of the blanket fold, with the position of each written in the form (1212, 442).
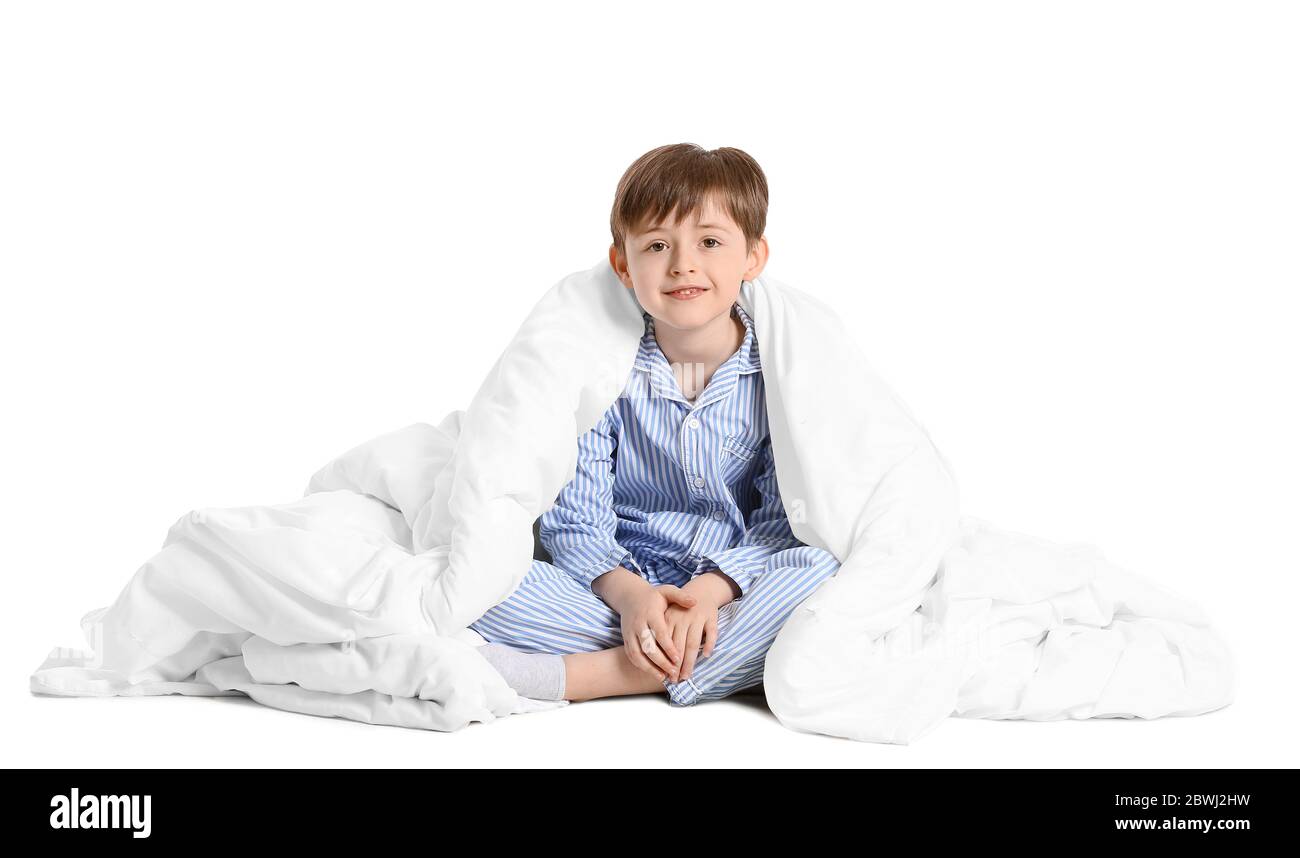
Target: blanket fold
(354, 600)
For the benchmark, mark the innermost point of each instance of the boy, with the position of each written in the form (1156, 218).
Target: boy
(674, 563)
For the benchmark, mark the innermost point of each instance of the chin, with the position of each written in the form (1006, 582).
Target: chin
(700, 307)
(694, 313)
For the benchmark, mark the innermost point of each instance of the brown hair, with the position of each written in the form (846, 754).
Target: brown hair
(683, 176)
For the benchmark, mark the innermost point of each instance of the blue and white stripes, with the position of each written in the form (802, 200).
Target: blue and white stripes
(551, 611)
(671, 489)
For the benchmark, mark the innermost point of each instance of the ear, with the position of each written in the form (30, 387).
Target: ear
(619, 263)
(757, 259)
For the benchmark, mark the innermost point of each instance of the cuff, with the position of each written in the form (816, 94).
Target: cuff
(589, 563)
(731, 563)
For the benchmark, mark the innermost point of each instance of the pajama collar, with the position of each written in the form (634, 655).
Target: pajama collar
(650, 358)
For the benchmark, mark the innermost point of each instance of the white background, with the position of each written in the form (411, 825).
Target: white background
(238, 239)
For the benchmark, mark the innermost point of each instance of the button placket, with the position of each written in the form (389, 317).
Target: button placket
(700, 541)
(691, 444)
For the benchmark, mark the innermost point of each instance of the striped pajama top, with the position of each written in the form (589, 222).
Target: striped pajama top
(671, 489)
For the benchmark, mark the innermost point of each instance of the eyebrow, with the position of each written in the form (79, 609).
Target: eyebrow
(701, 226)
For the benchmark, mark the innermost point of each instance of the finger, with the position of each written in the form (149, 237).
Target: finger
(710, 636)
(677, 595)
(650, 648)
(639, 661)
(692, 647)
(665, 640)
(679, 640)
(670, 629)
(664, 634)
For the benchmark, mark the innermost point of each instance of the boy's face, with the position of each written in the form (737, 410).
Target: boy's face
(706, 250)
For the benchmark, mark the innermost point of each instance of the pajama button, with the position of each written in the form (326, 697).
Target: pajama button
(717, 515)
(693, 423)
(699, 481)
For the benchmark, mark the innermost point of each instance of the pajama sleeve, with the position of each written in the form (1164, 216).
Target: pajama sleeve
(767, 532)
(578, 530)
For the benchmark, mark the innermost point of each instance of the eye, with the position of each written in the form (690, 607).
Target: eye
(714, 240)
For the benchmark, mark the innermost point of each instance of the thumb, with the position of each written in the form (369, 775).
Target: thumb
(674, 593)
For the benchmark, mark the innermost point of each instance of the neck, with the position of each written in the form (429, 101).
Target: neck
(695, 354)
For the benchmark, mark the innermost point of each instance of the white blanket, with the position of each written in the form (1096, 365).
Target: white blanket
(354, 600)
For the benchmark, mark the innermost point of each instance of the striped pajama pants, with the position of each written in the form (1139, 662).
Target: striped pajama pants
(552, 612)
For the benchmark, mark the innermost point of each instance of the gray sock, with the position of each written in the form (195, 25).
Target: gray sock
(538, 675)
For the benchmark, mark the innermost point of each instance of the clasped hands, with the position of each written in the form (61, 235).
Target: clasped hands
(666, 628)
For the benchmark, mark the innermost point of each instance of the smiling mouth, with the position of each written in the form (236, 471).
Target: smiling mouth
(688, 292)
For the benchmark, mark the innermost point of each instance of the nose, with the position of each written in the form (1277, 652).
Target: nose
(680, 265)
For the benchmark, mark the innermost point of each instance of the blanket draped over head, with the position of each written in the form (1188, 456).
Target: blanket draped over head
(354, 601)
